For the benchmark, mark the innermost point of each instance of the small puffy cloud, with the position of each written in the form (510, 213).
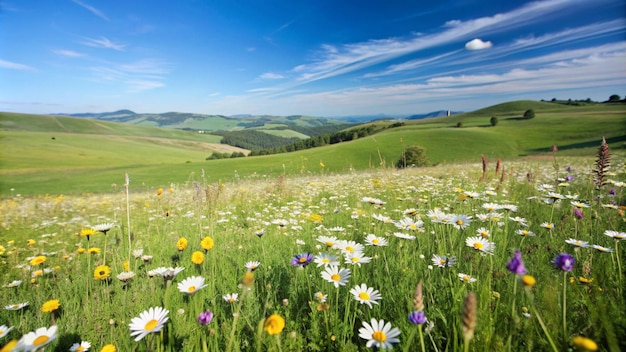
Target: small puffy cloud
(103, 43)
(270, 75)
(477, 44)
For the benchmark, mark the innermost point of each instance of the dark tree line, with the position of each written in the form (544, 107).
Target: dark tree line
(254, 140)
(318, 141)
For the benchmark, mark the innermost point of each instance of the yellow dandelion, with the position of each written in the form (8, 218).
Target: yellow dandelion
(126, 265)
(94, 250)
(38, 260)
(108, 348)
(207, 243)
(50, 306)
(102, 272)
(274, 324)
(80, 250)
(585, 343)
(197, 257)
(87, 233)
(159, 191)
(584, 280)
(528, 280)
(181, 244)
(31, 242)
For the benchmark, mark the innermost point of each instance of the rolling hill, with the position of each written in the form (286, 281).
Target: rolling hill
(88, 155)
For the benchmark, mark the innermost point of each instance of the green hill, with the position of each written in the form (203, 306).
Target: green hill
(90, 155)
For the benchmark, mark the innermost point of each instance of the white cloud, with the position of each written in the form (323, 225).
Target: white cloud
(103, 43)
(270, 75)
(15, 66)
(477, 44)
(67, 53)
(92, 9)
(136, 76)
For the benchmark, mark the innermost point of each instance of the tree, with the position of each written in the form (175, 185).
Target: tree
(614, 98)
(459, 124)
(529, 114)
(413, 156)
(493, 121)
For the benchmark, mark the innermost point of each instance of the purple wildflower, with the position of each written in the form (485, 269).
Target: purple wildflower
(568, 169)
(516, 264)
(205, 318)
(417, 317)
(578, 213)
(569, 178)
(564, 261)
(302, 259)
(612, 192)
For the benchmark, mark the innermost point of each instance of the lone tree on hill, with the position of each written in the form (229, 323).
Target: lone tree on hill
(529, 114)
(614, 98)
(413, 156)
(493, 121)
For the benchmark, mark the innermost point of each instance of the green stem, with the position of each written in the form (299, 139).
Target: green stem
(545, 329)
(419, 329)
(564, 305)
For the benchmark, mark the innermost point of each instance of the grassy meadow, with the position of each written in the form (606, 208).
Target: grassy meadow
(270, 242)
(123, 238)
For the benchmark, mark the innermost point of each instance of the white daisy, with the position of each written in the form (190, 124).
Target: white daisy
(577, 243)
(191, 284)
(524, 233)
(466, 278)
(13, 283)
(151, 320)
(480, 244)
(82, 346)
(365, 295)
(37, 339)
(336, 276)
(252, 265)
(329, 241)
(379, 334)
(356, 258)
(16, 306)
(321, 297)
(4, 330)
(615, 234)
(104, 228)
(325, 259)
(231, 297)
(348, 247)
(443, 261)
(461, 221)
(404, 236)
(601, 249)
(374, 240)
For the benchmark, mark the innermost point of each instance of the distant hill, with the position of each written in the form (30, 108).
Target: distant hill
(434, 114)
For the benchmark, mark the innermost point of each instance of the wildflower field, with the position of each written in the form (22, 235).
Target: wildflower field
(518, 256)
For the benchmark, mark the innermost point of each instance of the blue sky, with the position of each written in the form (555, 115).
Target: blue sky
(321, 58)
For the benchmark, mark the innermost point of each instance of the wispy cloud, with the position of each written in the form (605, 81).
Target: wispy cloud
(331, 61)
(270, 75)
(103, 43)
(15, 66)
(68, 53)
(92, 9)
(136, 76)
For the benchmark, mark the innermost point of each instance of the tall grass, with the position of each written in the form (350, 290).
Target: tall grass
(271, 220)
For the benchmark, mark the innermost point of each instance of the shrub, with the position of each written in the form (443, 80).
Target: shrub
(493, 121)
(529, 114)
(413, 156)
(459, 124)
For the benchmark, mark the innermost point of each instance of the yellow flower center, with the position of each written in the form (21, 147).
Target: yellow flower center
(413, 227)
(40, 340)
(524, 232)
(231, 300)
(364, 296)
(102, 272)
(466, 278)
(191, 289)
(335, 277)
(151, 325)
(442, 262)
(349, 249)
(80, 348)
(302, 260)
(375, 241)
(325, 260)
(15, 306)
(484, 234)
(329, 244)
(459, 222)
(478, 245)
(379, 336)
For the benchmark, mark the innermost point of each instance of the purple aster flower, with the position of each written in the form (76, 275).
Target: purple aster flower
(417, 317)
(568, 169)
(569, 178)
(564, 261)
(301, 259)
(516, 264)
(612, 192)
(206, 317)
